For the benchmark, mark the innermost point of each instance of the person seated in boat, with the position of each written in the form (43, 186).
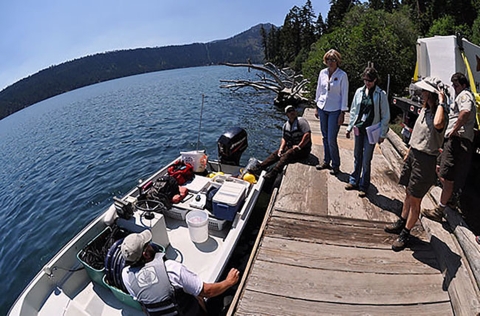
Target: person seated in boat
(162, 286)
(295, 145)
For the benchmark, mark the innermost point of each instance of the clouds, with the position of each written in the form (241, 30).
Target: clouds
(37, 34)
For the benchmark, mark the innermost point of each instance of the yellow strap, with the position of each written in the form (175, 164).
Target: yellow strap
(469, 72)
(473, 88)
(415, 73)
(477, 99)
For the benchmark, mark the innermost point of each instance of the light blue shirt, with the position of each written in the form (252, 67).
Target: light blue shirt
(332, 93)
(380, 107)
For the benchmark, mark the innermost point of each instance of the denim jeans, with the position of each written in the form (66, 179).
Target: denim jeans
(329, 127)
(363, 154)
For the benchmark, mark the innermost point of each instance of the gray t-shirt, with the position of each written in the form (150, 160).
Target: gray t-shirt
(464, 101)
(425, 137)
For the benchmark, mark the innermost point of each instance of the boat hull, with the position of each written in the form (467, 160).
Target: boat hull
(63, 286)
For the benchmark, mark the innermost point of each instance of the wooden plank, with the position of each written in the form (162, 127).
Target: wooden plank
(463, 291)
(303, 190)
(310, 230)
(392, 154)
(384, 197)
(329, 257)
(262, 304)
(345, 287)
(316, 220)
(397, 143)
(467, 239)
(307, 190)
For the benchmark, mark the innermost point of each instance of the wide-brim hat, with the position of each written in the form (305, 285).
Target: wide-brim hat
(429, 84)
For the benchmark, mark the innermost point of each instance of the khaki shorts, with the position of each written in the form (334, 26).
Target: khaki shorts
(418, 173)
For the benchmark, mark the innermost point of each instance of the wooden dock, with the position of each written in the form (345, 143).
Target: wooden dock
(322, 250)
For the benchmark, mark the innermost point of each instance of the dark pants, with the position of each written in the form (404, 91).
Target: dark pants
(289, 156)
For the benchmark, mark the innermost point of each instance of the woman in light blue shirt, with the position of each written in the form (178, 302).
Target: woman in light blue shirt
(369, 107)
(332, 103)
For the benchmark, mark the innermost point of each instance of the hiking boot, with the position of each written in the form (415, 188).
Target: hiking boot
(401, 242)
(435, 214)
(323, 166)
(334, 171)
(396, 227)
(351, 186)
(362, 193)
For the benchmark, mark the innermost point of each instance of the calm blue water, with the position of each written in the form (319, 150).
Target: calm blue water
(63, 159)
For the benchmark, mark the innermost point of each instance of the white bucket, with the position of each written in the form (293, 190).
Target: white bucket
(197, 222)
(198, 159)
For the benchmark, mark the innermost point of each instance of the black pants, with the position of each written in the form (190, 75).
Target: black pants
(289, 156)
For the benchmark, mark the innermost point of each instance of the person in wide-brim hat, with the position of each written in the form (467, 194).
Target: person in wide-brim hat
(418, 172)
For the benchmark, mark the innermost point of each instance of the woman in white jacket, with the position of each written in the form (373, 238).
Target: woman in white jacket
(369, 107)
(332, 103)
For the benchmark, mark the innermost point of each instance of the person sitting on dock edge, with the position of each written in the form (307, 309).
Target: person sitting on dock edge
(418, 172)
(165, 287)
(295, 145)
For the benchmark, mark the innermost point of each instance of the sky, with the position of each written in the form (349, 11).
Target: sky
(37, 34)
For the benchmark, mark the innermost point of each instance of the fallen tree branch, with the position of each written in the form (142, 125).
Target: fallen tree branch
(288, 86)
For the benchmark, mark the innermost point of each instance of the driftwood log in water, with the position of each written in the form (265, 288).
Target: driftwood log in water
(289, 87)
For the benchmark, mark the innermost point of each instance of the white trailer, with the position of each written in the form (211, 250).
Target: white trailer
(441, 57)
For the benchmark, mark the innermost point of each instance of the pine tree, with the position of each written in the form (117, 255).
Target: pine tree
(338, 9)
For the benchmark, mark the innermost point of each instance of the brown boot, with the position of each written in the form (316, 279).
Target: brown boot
(396, 227)
(401, 242)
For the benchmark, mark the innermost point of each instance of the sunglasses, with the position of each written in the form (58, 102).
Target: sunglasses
(290, 111)
(331, 59)
(368, 80)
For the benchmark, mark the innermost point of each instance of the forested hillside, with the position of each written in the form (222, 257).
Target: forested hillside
(116, 64)
(382, 32)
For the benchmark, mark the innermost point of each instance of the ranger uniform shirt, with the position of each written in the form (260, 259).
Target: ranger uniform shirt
(464, 101)
(425, 137)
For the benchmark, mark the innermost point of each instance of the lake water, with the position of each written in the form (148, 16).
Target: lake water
(64, 159)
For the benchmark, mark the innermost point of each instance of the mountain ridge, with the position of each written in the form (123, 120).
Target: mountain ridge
(100, 67)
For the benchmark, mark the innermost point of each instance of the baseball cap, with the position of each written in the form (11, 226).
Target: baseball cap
(132, 246)
(288, 108)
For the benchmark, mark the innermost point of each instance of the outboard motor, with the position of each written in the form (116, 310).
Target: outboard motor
(231, 146)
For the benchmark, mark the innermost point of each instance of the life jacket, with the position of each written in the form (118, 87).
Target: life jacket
(182, 172)
(292, 133)
(154, 291)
